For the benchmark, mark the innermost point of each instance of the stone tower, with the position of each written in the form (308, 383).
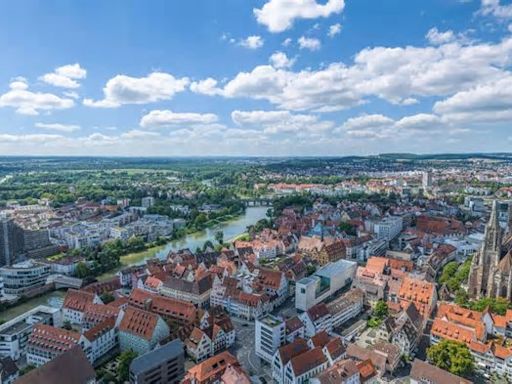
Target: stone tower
(485, 263)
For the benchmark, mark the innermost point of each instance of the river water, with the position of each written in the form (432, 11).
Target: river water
(231, 229)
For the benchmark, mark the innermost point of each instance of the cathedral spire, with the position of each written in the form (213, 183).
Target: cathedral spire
(493, 221)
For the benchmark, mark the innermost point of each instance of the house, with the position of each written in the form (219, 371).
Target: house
(294, 329)
(8, 370)
(284, 354)
(211, 370)
(103, 338)
(316, 319)
(305, 366)
(176, 311)
(421, 293)
(95, 314)
(423, 373)
(199, 345)
(346, 307)
(75, 304)
(343, 372)
(71, 366)
(141, 330)
(405, 330)
(45, 343)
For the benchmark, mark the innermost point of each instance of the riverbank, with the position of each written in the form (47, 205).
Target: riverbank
(232, 229)
(20, 309)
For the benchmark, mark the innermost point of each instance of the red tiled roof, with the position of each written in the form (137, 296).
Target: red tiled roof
(139, 322)
(50, 338)
(78, 300)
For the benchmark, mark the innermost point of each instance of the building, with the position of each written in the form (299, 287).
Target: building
(45, 343)
(141, 331)
(178, 312)
(284, 354)
(8, 370)
(14, 334)
(269, 335)
(165, 364)
(343, 372)
(103, 338)
(305, 366)
(491, 271)
(322, 250)
(10, 241)
(196, 292)
(346, 307)
(324, 283)
(76, 303)
(316, 319)
(71, 366)
(148, 201)
(22, 277)
(211, 370)
(426, 181)
(425, 373)
(388, 228)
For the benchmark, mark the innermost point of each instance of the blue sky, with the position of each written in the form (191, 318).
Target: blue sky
(266, 77)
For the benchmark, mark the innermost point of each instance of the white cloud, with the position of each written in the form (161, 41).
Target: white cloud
(65, 76)
(206, 87)
(418, 122)
(30, 138)
(280, 121)
(494, 8)
(27, 102)
(279, 15)
(58, 127)
(436, 37)
(287, 42)
(280, 60)
(309, 43)
(334, 30)
(123, 89)
(252, 42)
(483, 103)
(166, 118)
(71, 94)
(136, 134)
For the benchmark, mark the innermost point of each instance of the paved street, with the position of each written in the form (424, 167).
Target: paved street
(244, 349)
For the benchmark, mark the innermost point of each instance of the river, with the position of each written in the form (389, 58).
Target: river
(230, 228)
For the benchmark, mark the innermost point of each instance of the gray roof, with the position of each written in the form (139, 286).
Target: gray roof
(156, 357)
(70, 367)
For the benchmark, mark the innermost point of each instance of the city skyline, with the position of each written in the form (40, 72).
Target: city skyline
(254, 78)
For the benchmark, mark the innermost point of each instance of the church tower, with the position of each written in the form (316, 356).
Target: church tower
(485, 262)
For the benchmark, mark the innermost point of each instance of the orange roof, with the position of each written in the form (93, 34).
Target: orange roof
(419, 292)
(139, 322)
(366, 369)
(462, 316)
(376, 264)
(50, 338)
(100, 329)
(78, 300)
(164, 306)
(95, 313)
(212, 367)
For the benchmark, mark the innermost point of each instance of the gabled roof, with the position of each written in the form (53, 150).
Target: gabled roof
(78, 300)
(138, 322)
(422, 371)
(307, 361)
(288, 351)
(53, 339)
(69, 367)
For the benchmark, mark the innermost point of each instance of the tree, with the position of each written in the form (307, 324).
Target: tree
(82, 270)
(123, 368)
(107, 297)
(452, 356)
(219, 236)
(381, 310)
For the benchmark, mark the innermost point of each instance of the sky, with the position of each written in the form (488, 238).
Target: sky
(255, 77)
